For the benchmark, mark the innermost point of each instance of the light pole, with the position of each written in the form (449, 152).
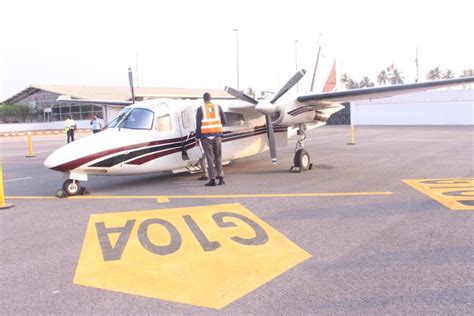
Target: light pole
(296, 61)
(237, 41)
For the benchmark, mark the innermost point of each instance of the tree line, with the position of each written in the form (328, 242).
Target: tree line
(393, 76)
(15, 113)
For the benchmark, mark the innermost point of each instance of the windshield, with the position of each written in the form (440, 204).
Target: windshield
(118, 118)
(137, 118)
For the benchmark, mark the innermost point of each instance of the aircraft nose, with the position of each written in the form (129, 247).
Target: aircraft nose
(54, 159)
(49, 162)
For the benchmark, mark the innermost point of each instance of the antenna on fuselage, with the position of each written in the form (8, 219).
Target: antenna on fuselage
(130, 81)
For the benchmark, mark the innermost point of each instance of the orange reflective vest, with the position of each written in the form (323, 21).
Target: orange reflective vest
(211, 119)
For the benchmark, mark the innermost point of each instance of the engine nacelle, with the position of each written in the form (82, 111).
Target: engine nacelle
(289, 119)
(304, 114)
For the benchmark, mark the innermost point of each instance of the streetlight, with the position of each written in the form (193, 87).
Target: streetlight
(296, 61)
(237, 40)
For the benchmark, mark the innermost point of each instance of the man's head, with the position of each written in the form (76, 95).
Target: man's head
(207, 97)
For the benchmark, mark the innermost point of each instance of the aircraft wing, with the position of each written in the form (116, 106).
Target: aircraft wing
(67, 98)
(379, 92)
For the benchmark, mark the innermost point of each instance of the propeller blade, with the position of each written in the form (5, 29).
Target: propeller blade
(271, 139)
(130, 81)
(294, 80)
(240, 95)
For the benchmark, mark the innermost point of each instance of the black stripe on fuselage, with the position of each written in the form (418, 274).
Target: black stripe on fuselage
(301, 110)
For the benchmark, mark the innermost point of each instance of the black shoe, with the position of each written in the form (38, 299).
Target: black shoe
(221, 180)
(211, 183)
(202, 178)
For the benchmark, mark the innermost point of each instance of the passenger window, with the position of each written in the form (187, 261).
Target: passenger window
(163, 123)
(234, 119)
(187, 119)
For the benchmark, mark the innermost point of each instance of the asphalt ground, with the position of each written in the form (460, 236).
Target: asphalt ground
(365, 241)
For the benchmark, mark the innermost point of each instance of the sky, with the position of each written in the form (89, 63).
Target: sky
(192, 44)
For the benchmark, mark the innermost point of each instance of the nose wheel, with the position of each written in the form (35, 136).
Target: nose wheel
(71, 188)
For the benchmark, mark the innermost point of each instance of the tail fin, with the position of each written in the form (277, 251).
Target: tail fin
(331, 81)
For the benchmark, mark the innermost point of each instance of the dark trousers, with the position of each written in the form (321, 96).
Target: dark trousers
(70, 135)
(213, 152)
(95, 131)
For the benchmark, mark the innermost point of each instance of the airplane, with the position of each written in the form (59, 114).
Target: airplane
(159, 134)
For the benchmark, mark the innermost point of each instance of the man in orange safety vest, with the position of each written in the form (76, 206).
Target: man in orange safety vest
(209, 121)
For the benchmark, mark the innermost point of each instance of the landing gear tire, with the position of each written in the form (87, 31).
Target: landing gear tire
(302, 161)
(72, 187)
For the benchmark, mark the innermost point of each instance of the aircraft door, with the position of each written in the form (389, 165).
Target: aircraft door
(187, 127)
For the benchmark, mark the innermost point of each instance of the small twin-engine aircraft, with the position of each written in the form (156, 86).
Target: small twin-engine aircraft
(159, 134)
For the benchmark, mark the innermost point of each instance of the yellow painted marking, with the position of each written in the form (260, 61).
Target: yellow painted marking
(212, 274)
(456, 194)
(162, 199)
(165, 198)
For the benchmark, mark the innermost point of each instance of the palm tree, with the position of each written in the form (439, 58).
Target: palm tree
(467, 72)
(434, 74)
(345, 79)
(366, 83)
(351, 84)
(447, 74)
(382, 78)
(396, 77)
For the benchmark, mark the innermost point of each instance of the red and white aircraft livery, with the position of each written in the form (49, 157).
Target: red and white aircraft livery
(158, 135)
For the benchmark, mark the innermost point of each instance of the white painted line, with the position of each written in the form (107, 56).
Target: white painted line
(17, 179)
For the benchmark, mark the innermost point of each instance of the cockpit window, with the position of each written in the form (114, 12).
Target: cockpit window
(138, 118)
(118, 118)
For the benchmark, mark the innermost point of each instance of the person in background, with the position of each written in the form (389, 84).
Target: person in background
(96, 124)
(69, 127)
(209, 121)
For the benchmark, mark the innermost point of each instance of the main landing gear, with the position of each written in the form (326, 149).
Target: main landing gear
(70, 188)
(302, 161)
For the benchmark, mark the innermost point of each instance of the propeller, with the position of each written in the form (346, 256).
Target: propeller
(294, 80)
(130, 81)
(268, 107)
(240, 95)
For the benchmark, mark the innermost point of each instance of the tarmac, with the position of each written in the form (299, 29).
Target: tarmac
(384, 226)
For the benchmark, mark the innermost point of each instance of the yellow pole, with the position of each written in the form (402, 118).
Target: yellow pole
(30, 145)
(352, 141)
(3, 205)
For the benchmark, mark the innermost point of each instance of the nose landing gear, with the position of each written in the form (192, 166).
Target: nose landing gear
(302, 160)
(70, 188)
